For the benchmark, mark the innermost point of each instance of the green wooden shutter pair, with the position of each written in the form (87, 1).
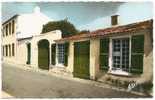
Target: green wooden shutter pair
(66, 52)
(53, 54)
(104, 54)
(137, 52)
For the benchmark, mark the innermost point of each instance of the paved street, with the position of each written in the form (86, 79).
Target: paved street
(23, 83)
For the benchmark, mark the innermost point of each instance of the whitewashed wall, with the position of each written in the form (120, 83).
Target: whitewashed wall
(31, 24)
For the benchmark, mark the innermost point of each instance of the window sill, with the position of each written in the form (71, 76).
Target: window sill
(119, 72)
(59, 65)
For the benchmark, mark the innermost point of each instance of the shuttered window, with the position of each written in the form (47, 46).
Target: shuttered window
(28, 53)
(6, 50)
(137, 52)
(6, 30)
(13, 49)
(13, 26)
(9, 28)
(3, 50)
(9, 46)
(53, 53)
(104, 54)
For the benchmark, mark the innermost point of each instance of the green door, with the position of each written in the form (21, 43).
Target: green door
(43, 54)
(81, 59)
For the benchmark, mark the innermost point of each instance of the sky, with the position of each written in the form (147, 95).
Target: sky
(81, 14)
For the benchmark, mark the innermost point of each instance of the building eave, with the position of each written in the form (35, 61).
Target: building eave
(134, 27)
(20, 39)
(10, 19)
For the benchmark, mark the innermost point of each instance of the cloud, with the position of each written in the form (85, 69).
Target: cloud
(77, 12)
(128, 13)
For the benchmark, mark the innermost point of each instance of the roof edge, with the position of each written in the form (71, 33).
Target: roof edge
(10, 19)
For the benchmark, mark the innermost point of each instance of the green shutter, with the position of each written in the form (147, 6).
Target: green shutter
(53, 53)
(137, 52)
(66, 53)
(104, 53)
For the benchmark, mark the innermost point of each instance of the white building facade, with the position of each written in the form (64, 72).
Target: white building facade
(21, 34)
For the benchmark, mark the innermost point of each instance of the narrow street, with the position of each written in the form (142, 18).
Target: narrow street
(22, 83)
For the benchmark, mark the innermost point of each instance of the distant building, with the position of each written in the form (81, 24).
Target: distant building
(19, 34)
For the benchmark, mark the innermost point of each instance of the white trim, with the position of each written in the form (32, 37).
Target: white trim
(57, 62)
(118, 72)
(110, 55)
(130, 47)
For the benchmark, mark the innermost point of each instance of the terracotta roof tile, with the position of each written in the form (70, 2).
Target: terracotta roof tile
(112, 30)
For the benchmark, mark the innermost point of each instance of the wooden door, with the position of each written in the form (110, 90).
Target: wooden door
(43, 54)
(81, 59)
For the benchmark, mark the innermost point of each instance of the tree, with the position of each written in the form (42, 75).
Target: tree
(65, 26)
(84, 31)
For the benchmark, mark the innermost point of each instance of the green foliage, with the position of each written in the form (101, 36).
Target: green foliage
(65, 26)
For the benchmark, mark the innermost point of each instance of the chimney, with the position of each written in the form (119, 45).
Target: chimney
(37, 9)
(114, 20)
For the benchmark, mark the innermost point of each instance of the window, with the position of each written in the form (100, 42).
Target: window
(124, 56)
(9, 28)
(9, 46)
(3, 50)
(6, 48)
(114, 20)
(13, 49)
(3, 31)
(120, 54)
(6, 30)
(28, 53)
(13, 26)
(60, 53)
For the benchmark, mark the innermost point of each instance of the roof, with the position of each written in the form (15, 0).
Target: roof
(10, 19)
(112, 30)
(20, 39)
